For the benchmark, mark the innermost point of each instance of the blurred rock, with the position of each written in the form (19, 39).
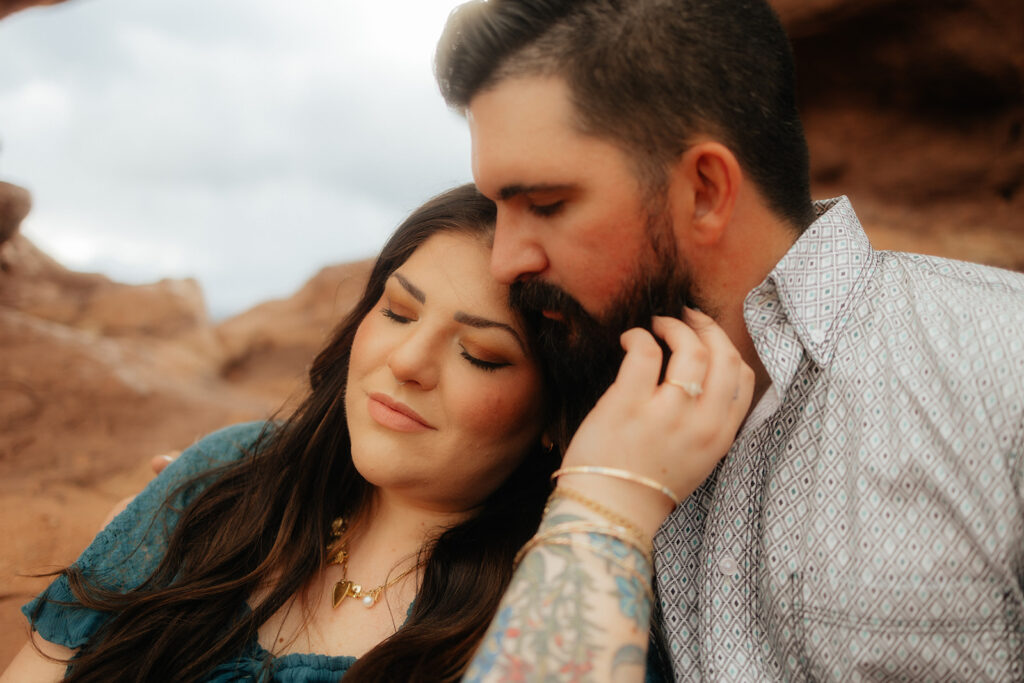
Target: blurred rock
(15, 204)
(12, 6)
(915, 110)
(267, 349)
(97, 376)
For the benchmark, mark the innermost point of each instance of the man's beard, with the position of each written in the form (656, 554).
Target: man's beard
(580, 353)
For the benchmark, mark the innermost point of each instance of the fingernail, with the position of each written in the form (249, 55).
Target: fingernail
(165, 456)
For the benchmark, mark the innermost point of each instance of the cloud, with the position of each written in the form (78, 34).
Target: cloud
(244, 143)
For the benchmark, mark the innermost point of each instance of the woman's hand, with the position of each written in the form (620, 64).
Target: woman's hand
(664, 431)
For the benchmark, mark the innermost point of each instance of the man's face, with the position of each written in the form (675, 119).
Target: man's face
(570, 210)
(577, 237)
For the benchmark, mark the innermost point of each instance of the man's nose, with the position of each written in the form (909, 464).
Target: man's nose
(516, 253)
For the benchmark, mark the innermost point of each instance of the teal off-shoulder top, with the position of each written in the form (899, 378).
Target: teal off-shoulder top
(127, 551)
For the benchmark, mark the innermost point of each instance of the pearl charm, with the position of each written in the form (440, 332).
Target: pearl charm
(368, 601)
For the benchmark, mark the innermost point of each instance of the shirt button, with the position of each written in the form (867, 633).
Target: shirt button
(817, 336)
(727, 566)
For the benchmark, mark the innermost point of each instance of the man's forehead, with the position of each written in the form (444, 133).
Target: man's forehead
(523, 102)
(522, 134)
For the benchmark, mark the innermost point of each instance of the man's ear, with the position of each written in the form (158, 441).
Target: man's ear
(705, 182)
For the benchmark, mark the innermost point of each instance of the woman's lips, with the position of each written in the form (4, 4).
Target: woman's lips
(395, 415)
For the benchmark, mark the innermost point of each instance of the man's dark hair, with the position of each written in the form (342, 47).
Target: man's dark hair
(649, 76)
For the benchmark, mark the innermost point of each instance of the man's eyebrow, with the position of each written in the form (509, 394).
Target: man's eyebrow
(483, 323)
(416, 292)
(510, 191)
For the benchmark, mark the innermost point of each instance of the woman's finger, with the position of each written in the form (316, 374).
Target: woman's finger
(159, 462)
(724, 362)
(642, 364)
(688, 364)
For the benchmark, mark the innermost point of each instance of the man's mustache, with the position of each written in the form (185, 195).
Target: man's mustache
(580, 355)
(547, 305)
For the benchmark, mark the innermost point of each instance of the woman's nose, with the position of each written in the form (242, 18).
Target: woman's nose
(415, 358)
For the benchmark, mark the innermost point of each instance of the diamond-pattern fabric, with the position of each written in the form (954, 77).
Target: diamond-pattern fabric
(872, 527)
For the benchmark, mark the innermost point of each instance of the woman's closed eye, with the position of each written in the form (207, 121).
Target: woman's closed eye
(390, 314)
(487, 365)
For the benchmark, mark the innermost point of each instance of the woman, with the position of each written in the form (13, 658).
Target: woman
(422, 431)
(378, 522)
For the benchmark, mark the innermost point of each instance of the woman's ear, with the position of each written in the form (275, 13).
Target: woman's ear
(704, 186)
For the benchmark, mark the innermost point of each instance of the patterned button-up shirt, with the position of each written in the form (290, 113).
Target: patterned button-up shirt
(872, 526)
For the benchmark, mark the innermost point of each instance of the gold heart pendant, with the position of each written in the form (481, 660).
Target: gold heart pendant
(345, 589)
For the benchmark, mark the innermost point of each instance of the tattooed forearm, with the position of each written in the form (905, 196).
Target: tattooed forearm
(578, 607)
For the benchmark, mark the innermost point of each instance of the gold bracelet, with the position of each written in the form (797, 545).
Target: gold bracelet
(645, 581)
(619, 474)
(641, 545)
(611, 515)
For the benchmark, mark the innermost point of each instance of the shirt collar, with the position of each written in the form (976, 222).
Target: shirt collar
(806, 299)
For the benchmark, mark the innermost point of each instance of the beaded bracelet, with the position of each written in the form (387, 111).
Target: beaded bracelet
(619, 474)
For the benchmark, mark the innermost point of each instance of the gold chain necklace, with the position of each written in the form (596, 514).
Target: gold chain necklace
(346, 588)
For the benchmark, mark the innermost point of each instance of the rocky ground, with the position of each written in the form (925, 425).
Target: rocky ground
(96, 377)
(913, 109)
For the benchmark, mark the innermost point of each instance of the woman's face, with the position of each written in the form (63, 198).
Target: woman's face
(443, 400)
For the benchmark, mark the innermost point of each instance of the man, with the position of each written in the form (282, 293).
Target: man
(867, 522)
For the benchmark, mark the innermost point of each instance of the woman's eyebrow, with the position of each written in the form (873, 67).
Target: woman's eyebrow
(415, 291)
(483, 323)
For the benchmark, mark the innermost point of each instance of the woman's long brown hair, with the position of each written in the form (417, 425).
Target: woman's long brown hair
(265, 521)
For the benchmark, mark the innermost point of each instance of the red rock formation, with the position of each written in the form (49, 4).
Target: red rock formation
(15, 203)
(96, 376)
(267, 349)
(916, 111)
(12, 6)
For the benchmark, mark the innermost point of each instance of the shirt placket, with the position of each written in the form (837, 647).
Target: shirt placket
(730, 568)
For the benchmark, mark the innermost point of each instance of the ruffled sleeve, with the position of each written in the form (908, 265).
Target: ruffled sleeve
(130, 548)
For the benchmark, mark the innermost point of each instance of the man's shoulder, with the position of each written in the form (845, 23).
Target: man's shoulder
(954, 298)
(944, 275)
(968, 314)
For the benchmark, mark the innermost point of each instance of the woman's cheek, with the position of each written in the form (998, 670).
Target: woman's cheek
(358, 355)
(506, 409)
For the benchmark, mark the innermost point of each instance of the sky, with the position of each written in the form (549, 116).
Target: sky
(245, 143)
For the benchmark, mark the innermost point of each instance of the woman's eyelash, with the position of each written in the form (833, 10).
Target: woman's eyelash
(487, 365)
(391, 315)
(546, 209)
(483, 364)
